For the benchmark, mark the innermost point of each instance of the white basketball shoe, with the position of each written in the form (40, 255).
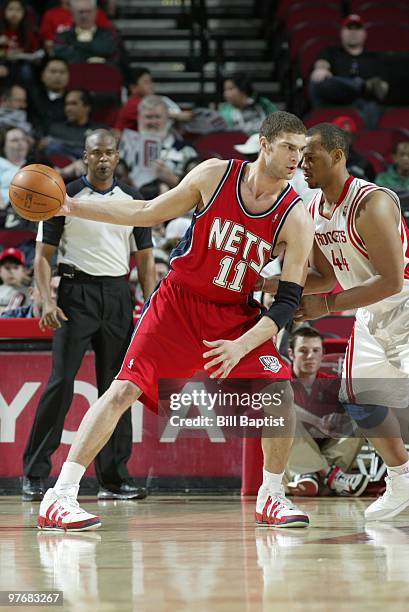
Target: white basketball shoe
(63, 513)
(393, 501)
(275, 510)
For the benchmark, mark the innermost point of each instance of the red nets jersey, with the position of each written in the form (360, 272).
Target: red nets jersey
(226, 247)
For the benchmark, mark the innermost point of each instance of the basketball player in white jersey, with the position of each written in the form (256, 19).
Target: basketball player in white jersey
(361, 241)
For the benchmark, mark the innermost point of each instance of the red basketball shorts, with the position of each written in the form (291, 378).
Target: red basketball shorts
(168, 340)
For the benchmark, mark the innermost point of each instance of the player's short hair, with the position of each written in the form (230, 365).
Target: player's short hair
(304, 332)
(280, 122)
(332, 137)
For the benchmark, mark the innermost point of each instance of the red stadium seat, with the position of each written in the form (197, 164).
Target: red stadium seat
(304, 32)
(309, 53)
(12, 238)
(95, 78)
(382, 141)
(311, 13)
(285, 6)
(356, 6)
(336, 325)
(61, 160)
(385, 14)
(220, 144)
(376, 160)
(387, 37)
(321, 115)
(395, 118)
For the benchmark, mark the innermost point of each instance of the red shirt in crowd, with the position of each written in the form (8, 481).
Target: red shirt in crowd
(59, 19)
(128, 114)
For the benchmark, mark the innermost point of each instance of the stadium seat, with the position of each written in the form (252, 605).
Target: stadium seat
(337, 324)
(382, 141)
(12, 238)
(305, 31)
(95, 77)
(61, 160)
(309, 53)
(332, 363)
(387, 37)
(376, 160)
(356, 6)
(285, 6)
(320, 115)
(385, 14)
(395, 118)
(306, 12)
(220, 144)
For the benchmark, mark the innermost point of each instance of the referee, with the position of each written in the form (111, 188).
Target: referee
(94, 309)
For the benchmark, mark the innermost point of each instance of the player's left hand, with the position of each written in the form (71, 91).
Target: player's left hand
(226, 354)
(311, 307)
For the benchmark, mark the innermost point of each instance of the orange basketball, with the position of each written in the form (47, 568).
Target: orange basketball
(37, 192)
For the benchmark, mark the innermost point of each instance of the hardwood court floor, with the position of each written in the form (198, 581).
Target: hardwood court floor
(205, 554)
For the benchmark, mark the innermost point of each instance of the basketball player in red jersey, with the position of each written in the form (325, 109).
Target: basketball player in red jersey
(361, 241)
(200, 317)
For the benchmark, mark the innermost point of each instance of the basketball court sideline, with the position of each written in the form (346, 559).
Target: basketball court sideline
(205, 553)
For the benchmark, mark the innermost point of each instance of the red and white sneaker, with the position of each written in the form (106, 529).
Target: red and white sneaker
(63, 513)
(275, 510)
(304, 485)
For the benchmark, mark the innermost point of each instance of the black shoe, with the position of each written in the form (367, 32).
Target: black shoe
(33, 489)
(125, 491)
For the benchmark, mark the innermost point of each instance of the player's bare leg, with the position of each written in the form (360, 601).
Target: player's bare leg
(272, 507)
(59, 509)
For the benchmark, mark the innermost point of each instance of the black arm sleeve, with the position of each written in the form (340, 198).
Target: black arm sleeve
(285, 303)
(51, 231)
(143, 237)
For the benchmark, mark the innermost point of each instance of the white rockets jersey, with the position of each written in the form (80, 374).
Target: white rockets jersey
(339, 240)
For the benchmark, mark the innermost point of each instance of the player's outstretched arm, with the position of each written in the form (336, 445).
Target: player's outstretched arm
(140, 213)
(377, 222)
(297, 234)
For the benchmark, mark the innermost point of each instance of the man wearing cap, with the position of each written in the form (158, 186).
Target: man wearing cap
(357, 165)
(349, 74)
(13, 273)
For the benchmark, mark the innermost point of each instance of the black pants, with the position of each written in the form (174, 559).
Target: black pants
(99, 315)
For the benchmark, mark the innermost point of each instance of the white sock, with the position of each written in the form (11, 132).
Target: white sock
(69, 478)
(272, 482)
(399, 469)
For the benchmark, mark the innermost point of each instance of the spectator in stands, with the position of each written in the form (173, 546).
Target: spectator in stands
(33, 309)
(68, 137)
(349, 74)
(242, 109)
(13, 108)
(14, 147)
(14, 290)
(59, 19)
(175, 231)
(85, 41)
(141, 84)
(19, 42)
(162, 266)
(17, 149)
(155, 155)
(314, 459)
(47, 99)
(396, 176)
(357, 165)
(94, 307)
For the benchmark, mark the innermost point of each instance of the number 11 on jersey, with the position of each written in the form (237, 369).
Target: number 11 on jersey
(225, 266)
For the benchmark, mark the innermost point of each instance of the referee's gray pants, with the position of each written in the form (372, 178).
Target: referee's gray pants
(99, 315)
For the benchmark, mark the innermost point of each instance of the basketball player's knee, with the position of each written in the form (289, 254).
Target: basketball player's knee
(123, 394)
(281, 399)
(366, 416)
